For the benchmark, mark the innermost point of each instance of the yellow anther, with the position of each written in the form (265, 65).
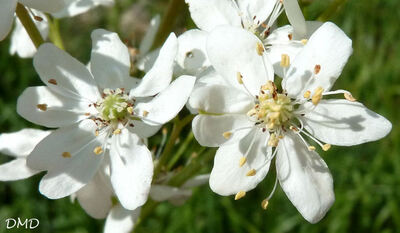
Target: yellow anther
(239, 195)
(307, 94)
(326, 147)
(227, 135)
(96, 133)
(145, 113)
(317, 95)
(252, 172)
(130, 110)
(273, 140)
(317, 69)
(242, 161)
(270, 86)
(295, 129)
(264, 204)
(66, 155)
(285, 60)
(239, 78)
(349, 97)
(98, 150)
(260, 49)
(117, 131)
(304, 41)
(311, 148)
(42, 107)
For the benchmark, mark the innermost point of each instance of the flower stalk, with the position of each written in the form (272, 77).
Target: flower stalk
(29, 25)
(55, 35)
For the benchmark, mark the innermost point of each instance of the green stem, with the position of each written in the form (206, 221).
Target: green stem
(175, 7)
(331, 10)
(176, 130)
(55, 35)
(29, 25)
(180, 151)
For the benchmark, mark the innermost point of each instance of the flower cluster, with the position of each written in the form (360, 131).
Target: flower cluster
(259, 93)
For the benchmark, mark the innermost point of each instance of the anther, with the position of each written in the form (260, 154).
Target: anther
(117, 131)
(326, 147)
(145, 113)
(239, 78)
(317, 69)
(260, 49)
(227, 135)
(52, 81)
(242, 161)
(96, 133)
(349, 97)
(87, 114)
(42, 107)
(130, 110)
(273, 140)
(66, 155)
(307, 94)
(317, 95)
(239, 195)
(98, 150)
(304, 41)
(264, 204)
(311, 148)
(290, 36)
(252, 172)
(285, 61)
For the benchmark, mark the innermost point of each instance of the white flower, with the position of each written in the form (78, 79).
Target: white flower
(255, 16)
(7, 10)
(99, 111)
(252, 122)
(19, 145)
(22, 44)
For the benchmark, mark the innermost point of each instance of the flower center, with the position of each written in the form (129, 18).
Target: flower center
(272, 110)
(115, 105)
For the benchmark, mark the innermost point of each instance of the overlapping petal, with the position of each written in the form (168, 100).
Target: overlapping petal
(7, 11)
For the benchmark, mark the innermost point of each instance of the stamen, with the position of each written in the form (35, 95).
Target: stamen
(66, 155)
(307, 94)
(242, 161)
(240, 195)
(145, 113)
(252, 172)
(42, 107)
(260, 49)
(290, 36)
(285, 60)
(326, 147)
(117, 131)
(52, 81)
(304, 41)
(317, 95)
(227, 135)
(130, 110)
(239, 78)
(273, 140)
(349, 97)
(311, 148)
(98, 150)
(317, 69)
(264, 204)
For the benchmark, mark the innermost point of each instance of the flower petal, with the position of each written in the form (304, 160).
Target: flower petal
(344, 123)
(95, 197)
(76, 7)
(259, 10)
(16, 170)
(43, 106)
(196, 181)
(227, 177)
(295, 17)
(131, 169)
(160, 75)
(142, 129)
(208, 14)
(192, 56)
(233, 52)
(44, 5)
(329, 48)
(68, 156)
(110, 60)
(21, 143)
(150, 35)
(209, 129)
(164, 192)
(121, 220)
(68, 76)
(220, 99)
(167, 104)
(305, 178)
(7, 11)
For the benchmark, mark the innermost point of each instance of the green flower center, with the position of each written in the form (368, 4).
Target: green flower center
(115, 106)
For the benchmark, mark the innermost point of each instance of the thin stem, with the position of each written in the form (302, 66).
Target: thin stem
(176, 130)
(175, 7)
(55, 35)
(29, 25)
(180, 151)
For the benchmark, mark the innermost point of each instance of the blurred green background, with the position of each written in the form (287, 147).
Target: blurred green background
(367, 177)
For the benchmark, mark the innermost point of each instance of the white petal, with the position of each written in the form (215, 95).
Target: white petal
(305, 178)
(7, 11)
(16, 170)
(227, 177)
(72, 77)
(345, 123)
(110, 60)
(295, 17)
(259, 10)
(21, 143)
(196, 181)
(232, 50)
(44, 5)
(281, 44)
(192, 56)
(163, 192)
(208, 14)
(167, 104)
(21, 43)
(219, 99)
(131, 169)
(56, 110)
(208, 129)
(160, 75)
(67, 172)
(76, 7)
(329, 48)
(143, 130)
(150, 35)
(121, 220)
(95, 197)
(146, 61)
